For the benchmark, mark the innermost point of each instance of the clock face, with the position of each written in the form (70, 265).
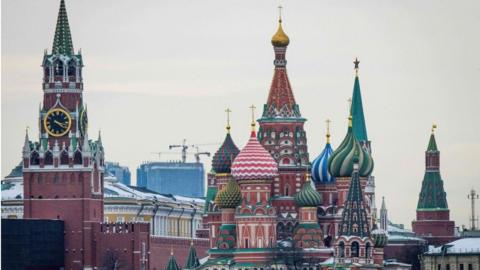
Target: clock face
(83, 121)
(57, 122)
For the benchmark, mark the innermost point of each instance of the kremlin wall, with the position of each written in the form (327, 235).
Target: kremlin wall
(267, 205)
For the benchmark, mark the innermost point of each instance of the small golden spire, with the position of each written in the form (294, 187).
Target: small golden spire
(253, 117)
(349, 112)
(434, 126)
(328, 130)
(228, 111)
(280, 14)
(356, 62)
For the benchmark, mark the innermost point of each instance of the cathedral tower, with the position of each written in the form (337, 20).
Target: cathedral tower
(282, 134)
(63, 171)
(433, 216)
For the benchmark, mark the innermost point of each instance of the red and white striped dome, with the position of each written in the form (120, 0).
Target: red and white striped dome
(254, 162)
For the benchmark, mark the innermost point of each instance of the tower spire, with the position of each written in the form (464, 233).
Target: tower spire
(328, 121)
(62, 42)
(383, 216)
(356, 108)
(253, 118)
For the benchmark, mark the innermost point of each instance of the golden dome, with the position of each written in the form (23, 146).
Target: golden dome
(280, 39)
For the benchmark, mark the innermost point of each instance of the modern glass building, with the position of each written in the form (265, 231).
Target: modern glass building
(177, 178)
(121, 173)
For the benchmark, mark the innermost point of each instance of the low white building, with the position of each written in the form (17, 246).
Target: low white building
(462, 254)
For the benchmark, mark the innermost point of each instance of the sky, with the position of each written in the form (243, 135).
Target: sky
(157, 72)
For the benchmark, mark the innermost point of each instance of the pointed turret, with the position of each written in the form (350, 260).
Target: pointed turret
(26, 146)
(354, 217)
(383, 216)
(172, 263)
(192, 261)
(356, 109)
(62, 42)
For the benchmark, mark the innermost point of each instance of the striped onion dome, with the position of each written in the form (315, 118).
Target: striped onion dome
(222, 159)
(320, 174)
(380, 238)
(254, 162)
(340, 163)
(308, 196)
(229, 196)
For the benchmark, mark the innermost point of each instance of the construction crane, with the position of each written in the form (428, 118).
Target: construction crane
(184, 147)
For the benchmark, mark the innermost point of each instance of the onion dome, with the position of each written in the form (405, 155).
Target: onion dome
(229, 196)
(254, 162)
(280, 39)
(222, 159)
(308, 197)
(380, 238)
(320, 174)
(340, 163)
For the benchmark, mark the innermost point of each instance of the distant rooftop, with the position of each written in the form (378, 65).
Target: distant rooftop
(461, 246)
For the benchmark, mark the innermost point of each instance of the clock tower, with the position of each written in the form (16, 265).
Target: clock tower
(63, 170)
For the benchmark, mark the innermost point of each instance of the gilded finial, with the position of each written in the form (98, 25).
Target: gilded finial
(328, 130)
(253, 117)
(280, 14)
(228, 111)
(356, 62)
(434, 126)
(171, 251)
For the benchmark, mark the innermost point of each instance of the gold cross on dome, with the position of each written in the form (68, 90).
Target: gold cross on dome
(280, 13)
(328, 121)
(228, 111)
(253, 116)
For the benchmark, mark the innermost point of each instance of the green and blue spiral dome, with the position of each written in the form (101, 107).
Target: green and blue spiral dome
(320, 174)
(340, 163)
(380, 238)
(308, 196)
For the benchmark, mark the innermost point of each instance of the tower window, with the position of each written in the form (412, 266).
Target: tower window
(48, 158)
(246, 242)
(355, 249)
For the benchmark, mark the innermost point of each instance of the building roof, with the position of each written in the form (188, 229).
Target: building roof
(192, 261)
(432, 144)
(461, 246)
(308, 196)
(320, 172)
(222, 159)
(62, 42)
(229, 196)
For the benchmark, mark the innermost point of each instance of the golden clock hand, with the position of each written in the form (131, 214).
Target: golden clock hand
(60, 124)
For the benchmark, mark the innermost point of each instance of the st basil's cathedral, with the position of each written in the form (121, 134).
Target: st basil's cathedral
(268, 207)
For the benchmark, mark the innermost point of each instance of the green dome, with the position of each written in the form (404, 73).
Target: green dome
(340, 163)
(308, 197)
(229, 196)
(380, 238)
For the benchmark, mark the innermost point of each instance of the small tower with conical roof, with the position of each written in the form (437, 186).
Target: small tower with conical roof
(192, 261)
(307, 233)
(228, 198)
(433, 216)
(383, 216)
(172, 262)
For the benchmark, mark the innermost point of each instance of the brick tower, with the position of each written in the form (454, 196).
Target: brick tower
(63, 171)
(433, 216)
(282, 134)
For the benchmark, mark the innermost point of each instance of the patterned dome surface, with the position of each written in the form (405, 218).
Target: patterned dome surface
(254, 162)
(222, 160)
(320, 172)
(380, 237)
(229, 196)
(308, 197)
(340, 163)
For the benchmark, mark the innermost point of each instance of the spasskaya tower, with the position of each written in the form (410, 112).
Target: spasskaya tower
(63, 170)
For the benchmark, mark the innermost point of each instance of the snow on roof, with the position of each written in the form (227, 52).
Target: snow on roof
(464, 245)
(395, 229)
(12, 189)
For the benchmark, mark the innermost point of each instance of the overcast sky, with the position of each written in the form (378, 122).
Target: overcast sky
(160, 71)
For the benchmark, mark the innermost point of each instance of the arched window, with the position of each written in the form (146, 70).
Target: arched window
(47, 72)
(341, 250)
(77, 158)
(71, 68)
(367, 250)
(34, 158)
(64, 158)
(287, 190)
(58, 68)
(286, 161)
(48, 158)
(355, 249)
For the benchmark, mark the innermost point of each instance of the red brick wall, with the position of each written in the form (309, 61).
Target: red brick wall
(160, 248)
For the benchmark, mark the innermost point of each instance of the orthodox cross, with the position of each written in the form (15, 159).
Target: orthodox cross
(280, 14)
(253, 116)
(228, 111)
(328, 121)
